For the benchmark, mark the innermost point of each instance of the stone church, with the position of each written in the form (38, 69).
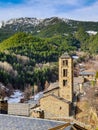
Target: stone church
(58, 98)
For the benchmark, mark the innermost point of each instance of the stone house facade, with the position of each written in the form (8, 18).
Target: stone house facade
(54, 106)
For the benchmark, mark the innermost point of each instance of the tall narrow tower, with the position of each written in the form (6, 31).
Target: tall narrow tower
(66, 77)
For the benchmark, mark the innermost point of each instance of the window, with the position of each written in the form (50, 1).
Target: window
(60, 108)
(65, 71)
(64, 82)
(65, 62)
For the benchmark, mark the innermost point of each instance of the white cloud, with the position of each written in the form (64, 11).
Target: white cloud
(89, 13)
(49, 8)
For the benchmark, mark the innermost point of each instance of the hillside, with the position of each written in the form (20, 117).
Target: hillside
(44, 27)
(23, 58)
(32, 43)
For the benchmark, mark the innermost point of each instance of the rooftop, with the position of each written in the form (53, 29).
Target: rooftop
(9, 122)
(65, 55)
(84, 73)
(57, 97)
(52, 86)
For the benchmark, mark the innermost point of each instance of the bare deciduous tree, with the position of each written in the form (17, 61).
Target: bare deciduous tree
(46, 85)
(27, 92)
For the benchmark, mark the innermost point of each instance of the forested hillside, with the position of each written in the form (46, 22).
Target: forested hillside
(24, 58)
(44, 27)
(28, 58)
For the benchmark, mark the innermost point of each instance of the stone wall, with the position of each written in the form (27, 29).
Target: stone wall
(22, 109)
(54, 107)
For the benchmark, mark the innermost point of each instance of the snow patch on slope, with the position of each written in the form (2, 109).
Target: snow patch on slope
(0, 24)
(65, 20)
(15, 98)
(92, 32)
(24, 21)
(2, 86)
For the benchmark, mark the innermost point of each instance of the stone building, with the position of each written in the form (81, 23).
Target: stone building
(55, 106)
(58, 98)
(56, 101)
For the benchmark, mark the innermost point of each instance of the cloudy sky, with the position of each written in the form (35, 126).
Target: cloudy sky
(71, 9)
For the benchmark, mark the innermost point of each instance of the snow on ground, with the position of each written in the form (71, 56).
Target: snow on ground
(75, 57)
(15, 98)
(2, 86)
(38, 96)
(0, 24)
(92, 32)
(35, 99)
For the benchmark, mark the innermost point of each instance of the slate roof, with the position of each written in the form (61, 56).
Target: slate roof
(65, 55)
(57, 97)
(52, 86)
(9, 122)
(87, 72)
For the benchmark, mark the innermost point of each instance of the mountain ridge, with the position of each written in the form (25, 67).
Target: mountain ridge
(44, 27)
(23, 49)
(27, 19)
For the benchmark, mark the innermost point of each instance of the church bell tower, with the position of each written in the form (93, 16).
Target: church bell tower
(66, 77)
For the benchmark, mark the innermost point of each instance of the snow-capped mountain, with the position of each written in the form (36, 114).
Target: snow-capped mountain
(23, 21)
(32, 21)
(44, 27)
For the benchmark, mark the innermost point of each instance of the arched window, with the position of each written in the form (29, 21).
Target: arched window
(65, 71)
(65, 62)
(64, 82)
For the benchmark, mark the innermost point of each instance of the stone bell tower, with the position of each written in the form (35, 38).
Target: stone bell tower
(66, 77)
